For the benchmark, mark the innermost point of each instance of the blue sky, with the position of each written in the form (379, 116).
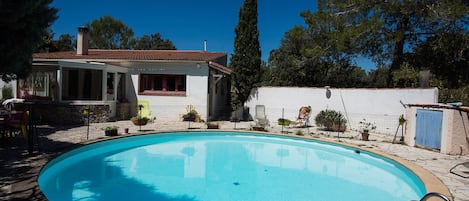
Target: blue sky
(187, 22)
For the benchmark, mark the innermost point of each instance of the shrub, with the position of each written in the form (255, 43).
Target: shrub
(299, 132)
(138, 120)
(191, 115)
(329, 118)
(7, 93)
(284, 122)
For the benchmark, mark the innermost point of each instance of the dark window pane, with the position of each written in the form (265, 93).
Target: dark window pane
(181, 85)
(171, 83)
(157, 83)
(144, 83)
(73, 84)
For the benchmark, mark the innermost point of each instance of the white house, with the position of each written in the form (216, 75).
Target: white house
(113, 81)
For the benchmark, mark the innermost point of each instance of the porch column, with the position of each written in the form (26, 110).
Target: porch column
(59, 83)
(116, 82)
(104, 86)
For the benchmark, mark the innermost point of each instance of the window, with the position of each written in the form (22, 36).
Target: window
(74, 86)
(38, 85)
(171, 85)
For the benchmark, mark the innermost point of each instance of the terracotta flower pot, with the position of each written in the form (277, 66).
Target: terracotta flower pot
(139, 122)
(365, 136)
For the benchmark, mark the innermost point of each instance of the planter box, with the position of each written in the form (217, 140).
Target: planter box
(139, 122)
(258, 128)
(110, 132)
(340, 128)
(188, 118)
(212, 126)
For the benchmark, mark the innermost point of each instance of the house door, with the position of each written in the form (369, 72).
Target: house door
(428, 128)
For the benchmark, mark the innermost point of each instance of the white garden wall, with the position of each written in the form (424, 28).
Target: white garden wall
(382, 106)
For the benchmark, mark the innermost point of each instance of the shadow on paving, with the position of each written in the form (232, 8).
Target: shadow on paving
(19, 168)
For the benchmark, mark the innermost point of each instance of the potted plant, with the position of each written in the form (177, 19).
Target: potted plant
(365, 128)
(284, 122)
(331, 120)
(110, 130)
(139, 121)
(402, 120)
(211, 125)
(259, 126)
(191, 115)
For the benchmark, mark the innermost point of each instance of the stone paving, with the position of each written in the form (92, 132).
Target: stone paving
(19, 169)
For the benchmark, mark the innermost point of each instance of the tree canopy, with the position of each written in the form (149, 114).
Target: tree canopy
(386, 30)
(22, 25)
(152, 42)
(406, 39)
(246, 59)
(48, 44)
(395, 34)
(106, 33)
(109, 33)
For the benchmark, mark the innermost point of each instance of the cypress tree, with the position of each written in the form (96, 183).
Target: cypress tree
(246, 59)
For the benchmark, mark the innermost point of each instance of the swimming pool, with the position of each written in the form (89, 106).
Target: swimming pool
(224, 166)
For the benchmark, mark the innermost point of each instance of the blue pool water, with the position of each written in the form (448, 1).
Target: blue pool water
(224, 166)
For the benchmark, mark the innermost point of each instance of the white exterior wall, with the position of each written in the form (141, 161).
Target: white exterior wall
(173, 107)
(382, 106)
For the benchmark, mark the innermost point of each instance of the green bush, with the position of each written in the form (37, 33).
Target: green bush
(284, 122)
(329, 118)
(460, 94)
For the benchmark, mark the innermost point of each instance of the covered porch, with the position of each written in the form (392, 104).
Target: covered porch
(75, 85)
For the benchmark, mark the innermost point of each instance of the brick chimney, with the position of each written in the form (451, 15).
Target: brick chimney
(82, 41)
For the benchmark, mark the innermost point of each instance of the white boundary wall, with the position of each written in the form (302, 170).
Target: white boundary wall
(382, 106)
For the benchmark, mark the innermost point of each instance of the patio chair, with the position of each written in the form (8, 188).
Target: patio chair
(461, 169)
(303, 116)
(145, 110)
(261, 118)
(17, 123)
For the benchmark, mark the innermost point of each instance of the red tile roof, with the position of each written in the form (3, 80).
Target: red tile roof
(220, 67)
(136, 55)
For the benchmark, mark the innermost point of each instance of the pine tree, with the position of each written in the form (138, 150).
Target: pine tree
(22, 26)
(246, 59)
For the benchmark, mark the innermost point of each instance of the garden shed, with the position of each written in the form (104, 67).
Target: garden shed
(438, 126)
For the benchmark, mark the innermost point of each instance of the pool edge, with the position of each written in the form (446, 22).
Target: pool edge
(431, 182)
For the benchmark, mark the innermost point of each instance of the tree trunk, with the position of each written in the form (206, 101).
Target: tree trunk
(398, 53)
